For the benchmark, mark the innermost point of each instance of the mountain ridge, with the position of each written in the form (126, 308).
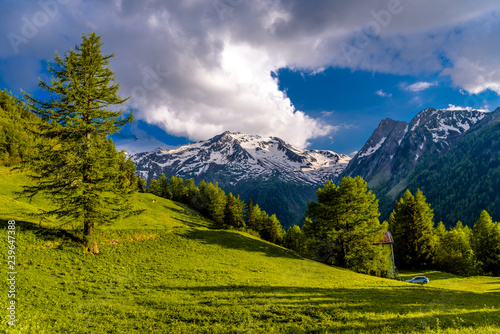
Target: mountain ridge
(283, 178)
(266, 169)
(395, 147)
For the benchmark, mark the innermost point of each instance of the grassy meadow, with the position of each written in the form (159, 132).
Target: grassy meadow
(168, 271)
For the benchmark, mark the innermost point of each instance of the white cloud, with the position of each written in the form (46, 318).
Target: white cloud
(418, 86)
(453, 107)
(198, 68)
(381, 93)
(416, 100)
(475, 76)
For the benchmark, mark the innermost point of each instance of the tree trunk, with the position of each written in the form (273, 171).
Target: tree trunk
(88, 228)
(90, 242)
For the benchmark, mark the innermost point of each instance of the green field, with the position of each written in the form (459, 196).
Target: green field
(167, 271)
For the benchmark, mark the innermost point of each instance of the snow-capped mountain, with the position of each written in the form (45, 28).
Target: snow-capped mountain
(281, 178)
(238, 157)
(396, 147)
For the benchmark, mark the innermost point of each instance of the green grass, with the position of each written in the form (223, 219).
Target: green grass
(166, 271)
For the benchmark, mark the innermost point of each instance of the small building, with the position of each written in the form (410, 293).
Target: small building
(387, 241)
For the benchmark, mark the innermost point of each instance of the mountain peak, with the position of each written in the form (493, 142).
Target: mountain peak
(265, 168)
(243, 156)
(395, 147)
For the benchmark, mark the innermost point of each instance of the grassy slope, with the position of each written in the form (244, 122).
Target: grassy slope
(165, 271)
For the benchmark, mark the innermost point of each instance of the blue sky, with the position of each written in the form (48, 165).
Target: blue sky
(357, 101)
(319, 74)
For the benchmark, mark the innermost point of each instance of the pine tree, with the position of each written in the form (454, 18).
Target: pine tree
(141, 184)
(154, 187)
(485, 241)
(255, 217)
(411, 226)
(213, 202)
(178, 189)
(345, 228)
(192, 191)
(294, 239)
(272, 231)
(164, 187)
(74, 166)
(200, 200)
(453, 252)
(233, 212)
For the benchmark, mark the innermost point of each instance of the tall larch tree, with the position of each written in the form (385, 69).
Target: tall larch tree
(73, 166)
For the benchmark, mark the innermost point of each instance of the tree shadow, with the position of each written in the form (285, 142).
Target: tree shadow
(186, 211)
(46, 233)
(234, 240)
(364, 309)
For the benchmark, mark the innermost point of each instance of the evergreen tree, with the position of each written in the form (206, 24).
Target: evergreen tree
(141, 184)
(154, 187)
(200, 201)
(178, 189)
(192, 192)
(233, 212)
(255, 219)
(344, 227)
(294, 239)
(272, 231)
(164, 187)
(214, 200)
(73, 166)
(16, 131)
(485, 241)
(411, 226)
(453, 252)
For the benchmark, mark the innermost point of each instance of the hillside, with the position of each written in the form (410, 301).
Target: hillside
(466, 180)
(167, 271)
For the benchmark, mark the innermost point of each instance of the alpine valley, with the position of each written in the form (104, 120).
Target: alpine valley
(282, 179)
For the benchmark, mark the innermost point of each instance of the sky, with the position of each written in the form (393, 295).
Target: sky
(319, 74)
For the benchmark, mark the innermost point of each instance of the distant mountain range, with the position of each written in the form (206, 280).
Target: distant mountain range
(397, 151)
(395, 147)
(278, 176)
(283, 178)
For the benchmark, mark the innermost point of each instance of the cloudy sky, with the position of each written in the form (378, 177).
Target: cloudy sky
(320, 73)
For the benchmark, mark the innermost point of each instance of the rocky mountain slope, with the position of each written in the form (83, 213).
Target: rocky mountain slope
(277, 175)
(465, 180)
(396, 147)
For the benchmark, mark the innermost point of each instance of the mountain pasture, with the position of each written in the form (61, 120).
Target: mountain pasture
(168, 271)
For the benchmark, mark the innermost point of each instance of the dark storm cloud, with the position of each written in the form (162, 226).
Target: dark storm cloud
(197, 68)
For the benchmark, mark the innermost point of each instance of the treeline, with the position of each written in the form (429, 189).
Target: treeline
(459, 250)
(342, 228)
(227, 211)
(16, 125)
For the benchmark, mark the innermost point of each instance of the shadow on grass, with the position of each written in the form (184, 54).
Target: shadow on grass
(363, 309)
(187, 211)
(234, 240)
(44, 232)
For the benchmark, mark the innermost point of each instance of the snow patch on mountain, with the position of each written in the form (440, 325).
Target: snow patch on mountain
(459, 122)
(244, 156)
(372, 150)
